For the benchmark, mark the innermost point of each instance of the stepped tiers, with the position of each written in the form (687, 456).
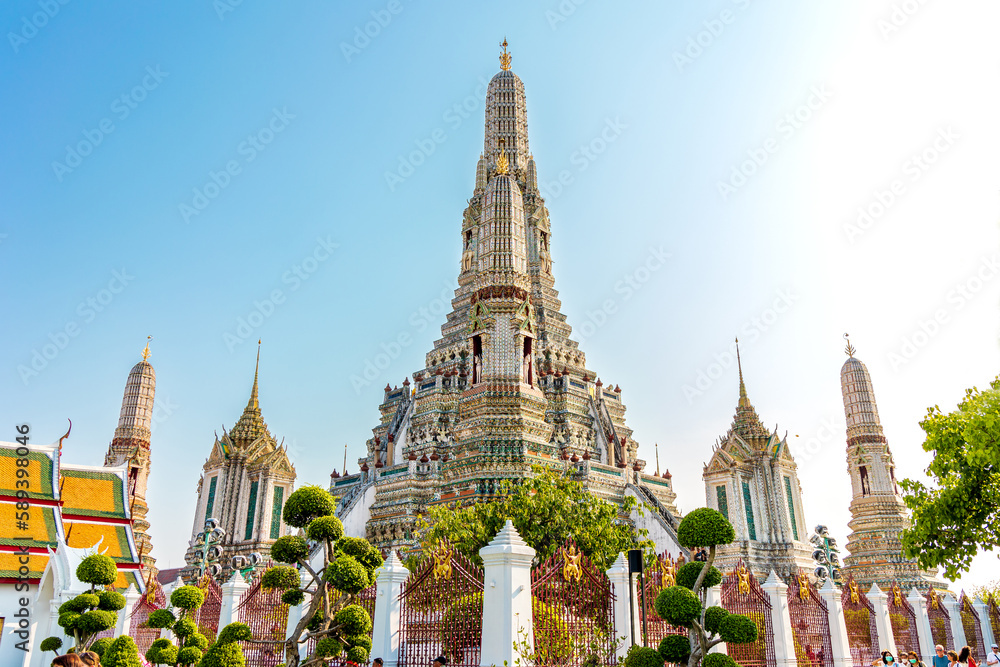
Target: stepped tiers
(878, 514)
(752, 479)
(130, 447)
(244, 485)
(505, 387)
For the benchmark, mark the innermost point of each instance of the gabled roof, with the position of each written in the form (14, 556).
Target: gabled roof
(94, 491)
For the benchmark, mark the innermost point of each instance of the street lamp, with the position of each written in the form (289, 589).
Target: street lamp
(825, 554)
(209, 544)
(245, 564)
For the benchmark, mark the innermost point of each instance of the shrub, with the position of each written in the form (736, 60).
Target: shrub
(688, 575)
(77, 604)
(290, 549)
(325, 528)
(67, 620)
(718, 660)
(121, 653)
(101, 645)
(354, 620)
(161, 618)
(714, 617)
(223, 655)
(188, 598)
(98, 620)
(51, 644)
(185, 627)
(197, 640)
(642, 656)
(675, 648)
(705, 527)
(308, 503)
(361, 550)
(677, 606)
(234, 632)
(292, 598)
(347, 575)
(280, 576)
(328, 647)
(166, 655)
(97, 570)
(87, 601)
(111, 601)
(357, 654)
(360, 640)
(188, 655)
(738, 629)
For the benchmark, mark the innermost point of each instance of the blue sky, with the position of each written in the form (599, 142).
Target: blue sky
(238, 161)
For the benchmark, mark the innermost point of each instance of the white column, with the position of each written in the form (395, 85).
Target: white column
(618, 574)
(713, 598)
(839, 639)
(131, 597)
(385, 631)
(232, 591)
(957, 629)
(880, 602)
(507, 615)
(295, 612)
(924, 636)
(989, 632)
(781, 621)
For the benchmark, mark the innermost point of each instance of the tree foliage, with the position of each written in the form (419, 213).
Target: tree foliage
(121, 653)
(546, 509)
(88, 614)
(955, 520)
(186, 600)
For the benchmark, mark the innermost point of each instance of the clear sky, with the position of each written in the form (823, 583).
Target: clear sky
(173, 168)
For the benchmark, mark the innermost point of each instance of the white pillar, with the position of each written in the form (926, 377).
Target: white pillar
(618, 575)
(295, 612)
(989, 632)
(131, 597)
(880, 603)
(385, 630)
(924, 636)
(781, 621)
(957, 629)
(713, 598)
(232, 591)
(507, 615)
(839, 640)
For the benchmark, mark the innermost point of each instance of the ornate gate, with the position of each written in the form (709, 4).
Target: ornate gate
(153, 599)
(940, 620)
(267, 617)
(973, 628)
(442, 611)
(661, 575)
(904, 622)
(810, 624)
(207, 616)
(742, 594)
(862, 633)
(571, 601)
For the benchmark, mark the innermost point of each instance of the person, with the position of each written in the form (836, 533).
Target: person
(965, 657)
(914, 660)
(91, 659)
(952, 658)
(68, 660)
(810, 654)
(993, 657)
(440, 661)
(377, 662)
(939, 659)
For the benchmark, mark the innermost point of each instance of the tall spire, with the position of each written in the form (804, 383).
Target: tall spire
(863, 423)
(251, 424)
(743, 388)
(746, 423)
(254, 400)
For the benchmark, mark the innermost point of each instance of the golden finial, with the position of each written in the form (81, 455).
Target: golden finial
(502, 166)
(850, 348)
(504, 57)
(657, 448)
(145, 352)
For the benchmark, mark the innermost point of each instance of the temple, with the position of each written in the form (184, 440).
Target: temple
(243, 487)
(878, 513)
(752, 479)
(505, 387)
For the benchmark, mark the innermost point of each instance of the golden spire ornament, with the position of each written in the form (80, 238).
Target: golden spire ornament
(504, 57)
(850, 348)
(502, 165)
(145, 352)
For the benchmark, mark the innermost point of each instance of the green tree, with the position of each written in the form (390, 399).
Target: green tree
(51, 644)
(186, 600)
(333, 618)
(93, 612)
(684, 604)
(546, 509)
(988, 592)
(122, 653)
(954, 521)
(226, 651)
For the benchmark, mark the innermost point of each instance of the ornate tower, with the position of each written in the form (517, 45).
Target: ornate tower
(752, 479)
(130, 446)
(878, 514)
(505, 387)
(245, 482)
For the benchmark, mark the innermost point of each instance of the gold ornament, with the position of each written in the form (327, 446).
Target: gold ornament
(442, 563)
(743, 576)
(855, 598)
(571, 564)
(504, 57)
(803, 586)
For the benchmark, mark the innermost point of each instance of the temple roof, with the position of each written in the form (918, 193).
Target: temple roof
(250, 427)
(746, 423)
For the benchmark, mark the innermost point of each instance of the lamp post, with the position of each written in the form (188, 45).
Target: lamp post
(826, 555)
(209, 544)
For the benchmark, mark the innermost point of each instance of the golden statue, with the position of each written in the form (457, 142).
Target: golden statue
(803, 586)
(504, 57)
(669, 571)
(442, 563)
(743, 576)
(897, 595)
(935, 603)
(853, 586)
(571, 563)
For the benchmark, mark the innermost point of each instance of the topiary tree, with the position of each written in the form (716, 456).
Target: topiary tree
(188, 651)
(684, 604)
(226, 652)
(122, 652)
(333, 618)
(51, 644)
(93, 612)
